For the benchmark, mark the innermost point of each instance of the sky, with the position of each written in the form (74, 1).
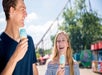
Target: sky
(41, 14)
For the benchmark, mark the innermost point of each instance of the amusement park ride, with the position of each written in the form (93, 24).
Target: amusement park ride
(96, 49)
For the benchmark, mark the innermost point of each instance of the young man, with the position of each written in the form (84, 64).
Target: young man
(17, 57)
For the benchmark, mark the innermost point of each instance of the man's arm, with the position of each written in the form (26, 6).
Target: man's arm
(9, 67)
(35, 70)
(17, 56)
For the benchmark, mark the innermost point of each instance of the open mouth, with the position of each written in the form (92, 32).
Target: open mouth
(61, 48)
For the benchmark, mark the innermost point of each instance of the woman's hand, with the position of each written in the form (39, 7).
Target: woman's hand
(60, 71)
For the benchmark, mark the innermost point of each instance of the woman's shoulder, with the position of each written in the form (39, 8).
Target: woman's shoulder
(75, 62)
(76, 65)
(50, 61)
(52, 65)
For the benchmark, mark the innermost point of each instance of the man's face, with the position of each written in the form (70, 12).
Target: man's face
(20, 13)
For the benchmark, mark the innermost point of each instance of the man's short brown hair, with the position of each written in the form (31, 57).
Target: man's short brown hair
(6, 6)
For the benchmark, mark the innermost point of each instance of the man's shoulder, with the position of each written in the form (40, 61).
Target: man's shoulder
(1, 42)
(29, 37)
(0, 38)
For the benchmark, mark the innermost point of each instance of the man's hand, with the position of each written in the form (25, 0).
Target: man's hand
(21, 49)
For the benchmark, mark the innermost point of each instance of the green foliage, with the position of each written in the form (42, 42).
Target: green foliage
(41, 52)
(84, 27)
(37, 55)
(52, 39)
(49, 51)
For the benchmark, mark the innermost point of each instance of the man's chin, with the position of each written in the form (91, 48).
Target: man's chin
(22, 25)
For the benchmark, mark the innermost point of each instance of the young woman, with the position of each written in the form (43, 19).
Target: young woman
(62, 46)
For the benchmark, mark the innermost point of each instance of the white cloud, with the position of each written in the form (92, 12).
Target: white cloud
(2, 20)
(37, 31)
(32, 16)
(1, 13)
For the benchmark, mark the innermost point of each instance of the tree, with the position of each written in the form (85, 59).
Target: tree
(83, 26)
(91, 29)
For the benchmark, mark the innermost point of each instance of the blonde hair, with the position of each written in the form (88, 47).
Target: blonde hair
(69, 58)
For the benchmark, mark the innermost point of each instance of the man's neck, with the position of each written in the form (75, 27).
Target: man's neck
(12, 31)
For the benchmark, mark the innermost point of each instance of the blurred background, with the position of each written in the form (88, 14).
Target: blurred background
(81, 19)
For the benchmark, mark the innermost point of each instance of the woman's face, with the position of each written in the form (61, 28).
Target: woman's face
(62, 43)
